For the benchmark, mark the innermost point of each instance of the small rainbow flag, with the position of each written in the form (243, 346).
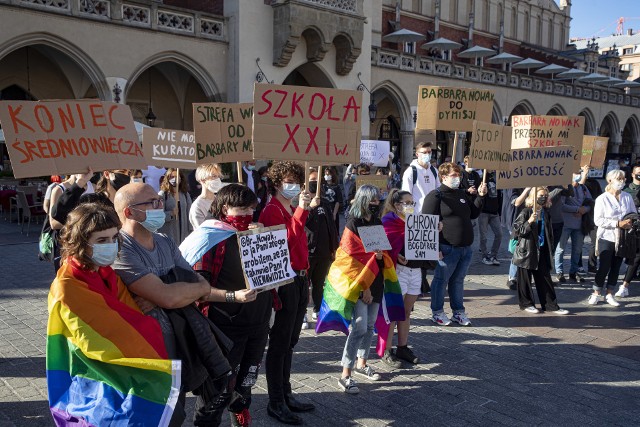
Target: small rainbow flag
(352, 272)
(106, 361)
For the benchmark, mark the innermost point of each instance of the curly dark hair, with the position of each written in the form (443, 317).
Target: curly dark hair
(280, 170)
(234, 196)
(83, 221)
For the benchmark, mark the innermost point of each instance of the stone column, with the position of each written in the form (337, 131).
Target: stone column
(407, 144)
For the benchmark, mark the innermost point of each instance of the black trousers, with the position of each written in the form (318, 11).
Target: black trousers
(284, 336)
(556, 227)
(318, 269)
(593, 259)
(544, 285)
(212, 398)
(609, 265)
(633, 269)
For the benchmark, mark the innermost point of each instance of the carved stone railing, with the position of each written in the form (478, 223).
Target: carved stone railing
(343, 5)
(467, 72)
(144, 13)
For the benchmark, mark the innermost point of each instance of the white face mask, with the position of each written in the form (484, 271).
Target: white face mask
(617, 185)
(172, 181)
(136, 179)
(453, 182)
(214, 185)
(327, 178)
(289, 191)
(424, 158)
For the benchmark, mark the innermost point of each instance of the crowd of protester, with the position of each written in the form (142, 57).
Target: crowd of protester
(169, 268)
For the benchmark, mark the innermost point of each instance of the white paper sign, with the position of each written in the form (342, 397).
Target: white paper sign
(375, 153)
(374, 238)
(421, 237)
(265, 257)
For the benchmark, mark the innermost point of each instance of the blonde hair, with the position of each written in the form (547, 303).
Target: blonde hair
(534, 195)
(615, 174)
(205, 172)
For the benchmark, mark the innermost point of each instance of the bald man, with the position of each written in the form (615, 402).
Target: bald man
(144, 257)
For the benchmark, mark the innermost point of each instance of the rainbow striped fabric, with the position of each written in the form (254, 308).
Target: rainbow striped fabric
(352, 272)
(106, 361)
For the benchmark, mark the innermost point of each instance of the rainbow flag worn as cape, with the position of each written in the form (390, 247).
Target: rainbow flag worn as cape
(352, 272)
(107, 363)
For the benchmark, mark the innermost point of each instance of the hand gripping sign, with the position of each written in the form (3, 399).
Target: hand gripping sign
(318, 125)
(65, 137)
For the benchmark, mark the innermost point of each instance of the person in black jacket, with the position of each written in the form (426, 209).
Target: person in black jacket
(490, 217)
(322, 239)
(532, 255)
(456, 210)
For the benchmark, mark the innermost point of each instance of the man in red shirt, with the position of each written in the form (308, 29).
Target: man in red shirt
(287, 177)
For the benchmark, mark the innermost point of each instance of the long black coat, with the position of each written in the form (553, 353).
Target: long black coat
(527, 252)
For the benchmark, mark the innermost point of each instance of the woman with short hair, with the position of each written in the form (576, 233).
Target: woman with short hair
(209, 176)
(610, 209)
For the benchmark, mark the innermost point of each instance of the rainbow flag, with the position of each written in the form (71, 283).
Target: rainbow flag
(106, 361)
(352, 272)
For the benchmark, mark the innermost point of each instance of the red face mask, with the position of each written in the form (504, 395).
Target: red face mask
(239, 222)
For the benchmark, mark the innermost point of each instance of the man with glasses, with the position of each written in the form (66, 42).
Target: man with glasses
(456, 210)
(145, 256)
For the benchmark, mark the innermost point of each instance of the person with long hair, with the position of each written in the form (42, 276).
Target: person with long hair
(610, 210)
(332, 193)
(534, 230)
(96, 326)
(399, 204)
(177, 204)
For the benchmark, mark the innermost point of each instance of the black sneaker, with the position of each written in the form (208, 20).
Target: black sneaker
(390, 359)
(406, 354)
(512, 284)
(561, 278)
(575, 278)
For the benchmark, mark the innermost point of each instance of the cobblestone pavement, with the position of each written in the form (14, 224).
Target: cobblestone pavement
(509, 368)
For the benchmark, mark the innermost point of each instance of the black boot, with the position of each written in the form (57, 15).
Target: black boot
(296, 406)
(280, 411)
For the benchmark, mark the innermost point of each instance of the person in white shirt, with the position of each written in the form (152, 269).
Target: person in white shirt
(420, 178)
(209, 177)
(152, 176)
(610, 209)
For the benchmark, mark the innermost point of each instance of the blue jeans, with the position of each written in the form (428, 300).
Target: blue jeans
(577, 240)
(359, 339)
(451, 271)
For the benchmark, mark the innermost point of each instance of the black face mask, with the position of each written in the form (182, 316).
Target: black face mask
(542, 200)
(313, 187)
(119, 181)
(638, 177)
(374, 210)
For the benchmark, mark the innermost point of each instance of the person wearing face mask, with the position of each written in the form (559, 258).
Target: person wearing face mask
(287, 178)
(610, 209)
(573, 208)
(177, 206)
(332, 194)
(421, 178)
(95, 325)
(632, 189)
(532, 254)
(263, 192)
(456, 210)
(242, 314)
(471, 178)
(209, 178)
(399, 204)
(250, 176)
(144, 259)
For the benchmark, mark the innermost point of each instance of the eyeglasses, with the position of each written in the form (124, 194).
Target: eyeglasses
(155, 203)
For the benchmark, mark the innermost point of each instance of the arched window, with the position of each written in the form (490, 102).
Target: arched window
(514, 22)
(552, 42)
(527, 27)
(539, 31)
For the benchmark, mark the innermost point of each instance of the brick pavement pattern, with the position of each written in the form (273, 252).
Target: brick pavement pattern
(509, 368)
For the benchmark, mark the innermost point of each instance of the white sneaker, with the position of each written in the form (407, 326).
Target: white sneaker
(532, 310)
(305, 323)
(441, 319)
(314, 316)
(612, 301)
(593, 299)
(623, 291)
(561, 312)
(461, 318)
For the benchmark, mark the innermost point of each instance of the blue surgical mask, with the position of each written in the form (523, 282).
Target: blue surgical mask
(155, 220)
(104, 254)
(577, 177)
(454, 182)
(251, 167)
(289, 191)
(425, 158)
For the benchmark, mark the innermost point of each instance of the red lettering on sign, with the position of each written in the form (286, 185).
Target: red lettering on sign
(114, 107)
(15, 120)
(266, 100)
(324, 106)
(81, 116)
(295, 105)
(312, 140)
(292, 138)
(37, 113)
(284, 93)
(351, 105)
(66, 119)
(331, 104)
(95, 115)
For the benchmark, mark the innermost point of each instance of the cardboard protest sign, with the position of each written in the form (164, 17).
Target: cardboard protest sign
(425, 135)
(65, 137)
(374, 153)
(169, 148)
(265, 257)
(453, 108)
(546, 131)
(490, 146)
(317, 125)
(421, 237)
(378, 181)
(594, 150)
(531, 167)
(223, 132)
(374, 238)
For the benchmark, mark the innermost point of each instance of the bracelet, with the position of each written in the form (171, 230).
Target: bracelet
(230, 296)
